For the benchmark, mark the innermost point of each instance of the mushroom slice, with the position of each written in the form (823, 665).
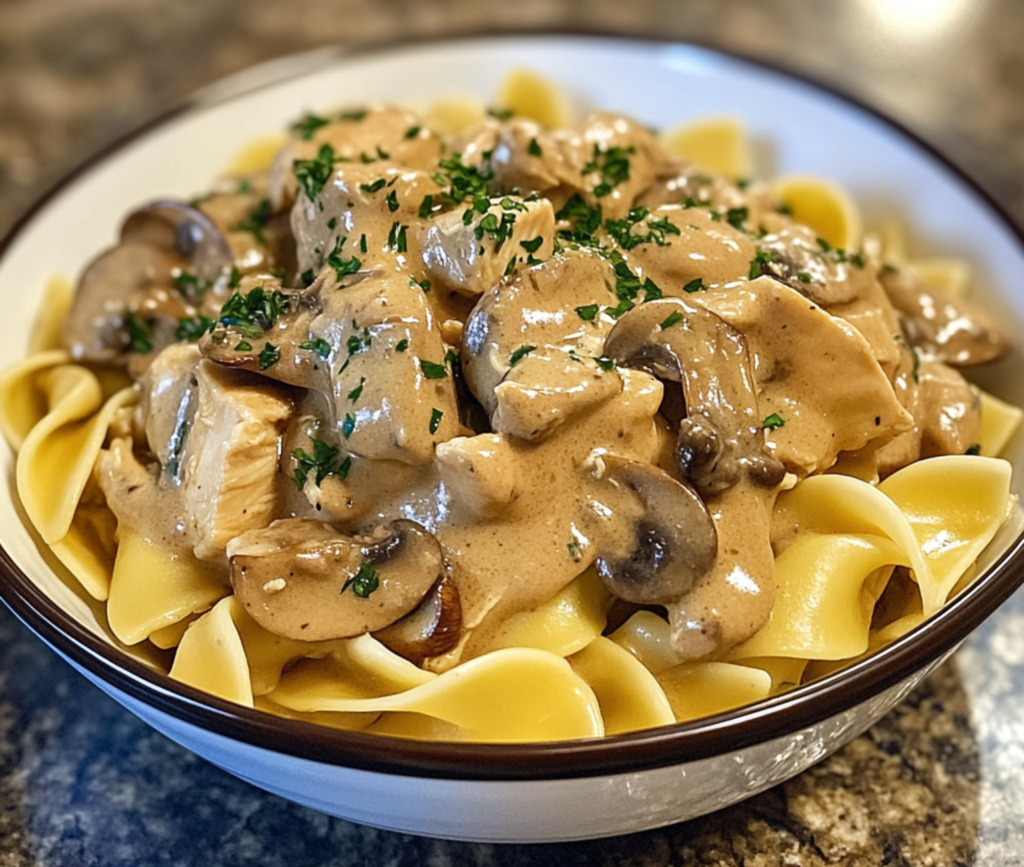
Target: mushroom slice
(189, 232)
(947, 329)
(673, 542)
(430, 629)
(158, 242)
(302, 579)
(721, 439)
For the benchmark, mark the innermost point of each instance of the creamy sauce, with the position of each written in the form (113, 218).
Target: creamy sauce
(436, 350)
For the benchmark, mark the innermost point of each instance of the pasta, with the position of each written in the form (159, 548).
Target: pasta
(462, 425)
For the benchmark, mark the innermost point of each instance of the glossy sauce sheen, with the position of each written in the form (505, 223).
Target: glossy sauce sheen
(400, 282)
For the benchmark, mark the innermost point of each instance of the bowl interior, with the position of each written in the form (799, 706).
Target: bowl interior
(796, 128)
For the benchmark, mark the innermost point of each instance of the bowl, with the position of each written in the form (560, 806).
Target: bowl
(547, 791)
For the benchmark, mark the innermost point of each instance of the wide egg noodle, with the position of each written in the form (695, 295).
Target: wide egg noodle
(693, 689)
(211, 657)
(24, 399)
(999, 422)
(153, 587)
(824, 206)
(58, 456)
(46, 328)
(716, 144)
(699, 689)
(527, 94)
(954, 506)
(629, 695)
(827, 587)
(88, 549)
(567, 623)
(509, 695)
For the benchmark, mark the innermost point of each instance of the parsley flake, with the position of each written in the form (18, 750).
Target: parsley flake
(670, 320)
(269, 356)
(432, 370)
(320, 346)
(364, 582)
(773, 421)
(588, 312)
(435, 420)
(519, 354)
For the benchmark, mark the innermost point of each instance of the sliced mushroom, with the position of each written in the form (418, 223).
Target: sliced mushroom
(432, 628)
(721, 440)
(157, 241)
(189, 232)
(947, 329)
(302, 579)
(674, 542)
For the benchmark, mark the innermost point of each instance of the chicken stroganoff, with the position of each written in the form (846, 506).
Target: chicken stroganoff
(616, 439)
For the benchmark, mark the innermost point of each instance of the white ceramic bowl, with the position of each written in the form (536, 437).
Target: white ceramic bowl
(554, 791)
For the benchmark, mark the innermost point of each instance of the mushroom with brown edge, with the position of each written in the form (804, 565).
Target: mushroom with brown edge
(671, 545)
(432, 628)
(157, 242)
(300, 578)
(944, 328)
(721, 439)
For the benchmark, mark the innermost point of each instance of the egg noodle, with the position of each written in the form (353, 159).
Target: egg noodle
(865, 469)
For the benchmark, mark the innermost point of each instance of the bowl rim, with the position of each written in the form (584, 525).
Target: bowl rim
(705, 738)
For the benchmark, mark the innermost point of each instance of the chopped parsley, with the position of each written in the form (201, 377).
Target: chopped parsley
(736, 217)
(656, 230)
(519, 354)
(627, 288)
(588, 312)
(435, 420)
(269, 356)
(256, 221)
(423, 284)
(532, 246)
(139, 333)
(402, 345)
(392, 201)
(342, 267)
(348, 425)
(501, 113)
(191, 285)
(574, 551)
(432, 370)
(372, 188)
(773, 421)
(426, 206)
(193, 329)
(320, 346)
(243, 346)
(412, 132)
(670, 320)
(254, 313)
(307, 126)
(695, 285)
(858, 259)
(314, 174)
(759, 264)
(974, 449)
(587, 221)
(355, 114)
(611, 164)
(396, 238)
(534, 148)
(605, 363)
(321, 463)
(803, 276)
(357, 391)
(235, 278)
(364, 582)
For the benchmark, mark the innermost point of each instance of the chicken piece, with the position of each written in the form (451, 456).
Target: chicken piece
(470, 251)
(364, 214)
(168, 405)
(229, 472)
(818, 385)
(379, 133)
(558, 304)
(393, 394)
(542, 391)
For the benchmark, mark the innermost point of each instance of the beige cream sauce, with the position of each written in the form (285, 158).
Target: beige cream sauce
(538, 517)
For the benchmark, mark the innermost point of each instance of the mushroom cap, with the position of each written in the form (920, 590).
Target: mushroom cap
(300, 578)
(675, 542)
(189, 232)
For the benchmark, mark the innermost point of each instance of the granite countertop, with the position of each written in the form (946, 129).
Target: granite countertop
(82, 782)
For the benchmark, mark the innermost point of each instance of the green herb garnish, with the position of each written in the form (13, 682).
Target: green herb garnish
(773, 421)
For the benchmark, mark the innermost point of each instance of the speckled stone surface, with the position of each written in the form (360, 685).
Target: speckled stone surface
(940, 781)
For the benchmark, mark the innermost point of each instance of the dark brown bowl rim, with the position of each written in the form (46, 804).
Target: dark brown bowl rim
(672, 745)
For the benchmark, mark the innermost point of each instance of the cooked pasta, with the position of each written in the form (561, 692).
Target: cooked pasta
(506, 426)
